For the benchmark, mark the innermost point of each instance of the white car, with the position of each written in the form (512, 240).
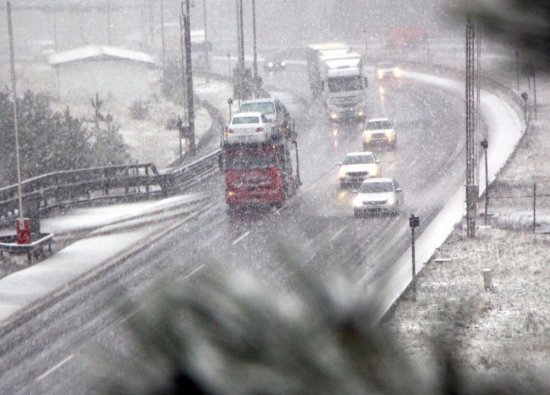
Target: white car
(379, 131)
(378, 195)
(248, 127)
(357, 167)
(388, 70)
(273, 109)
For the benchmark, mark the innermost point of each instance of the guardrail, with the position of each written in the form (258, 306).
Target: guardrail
(66, 188)
(110, 183)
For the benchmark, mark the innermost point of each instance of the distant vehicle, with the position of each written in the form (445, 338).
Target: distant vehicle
(274, 64)
(357, 167)
(248, 127)
(379, 131)
(275, 112)
(378, 195)
(387, 70)
(406, 37)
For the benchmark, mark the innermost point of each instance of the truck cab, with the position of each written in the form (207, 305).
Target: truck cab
(344, 86)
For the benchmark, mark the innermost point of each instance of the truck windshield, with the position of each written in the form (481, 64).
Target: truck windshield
(263, 107)
(342, 84)
(249, 160)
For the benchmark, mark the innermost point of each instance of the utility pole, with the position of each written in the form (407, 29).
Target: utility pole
(162, 40)
(23, 224)
(471, 187)
(189, 75)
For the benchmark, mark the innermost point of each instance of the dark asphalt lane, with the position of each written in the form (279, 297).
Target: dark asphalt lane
(44, 355)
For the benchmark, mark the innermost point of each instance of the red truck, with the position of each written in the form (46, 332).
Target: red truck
(260, 173)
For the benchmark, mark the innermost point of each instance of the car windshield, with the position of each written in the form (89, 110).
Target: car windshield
(342, 84)
(376, 187)
(263, 107)
(378, 125)
(358, 159)
(245, 120)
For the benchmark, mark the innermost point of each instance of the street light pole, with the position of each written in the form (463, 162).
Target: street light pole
(485, 145)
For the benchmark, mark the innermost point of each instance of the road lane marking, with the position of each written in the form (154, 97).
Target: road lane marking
(411, 165)
(50, 371)
(240, 238)
(335, 236)
(195, 270)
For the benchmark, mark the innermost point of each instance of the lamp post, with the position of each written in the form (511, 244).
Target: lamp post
(414, 222)
(485, 145)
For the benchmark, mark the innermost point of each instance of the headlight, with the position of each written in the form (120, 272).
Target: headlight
(397, 72)
(270, 64)
(333, 115)
(367, 137)
(360, 113)
(342, 173)
(357, 202)
(381, 90)
(380, 74)
(283, 63)
(391, 200)
(390, 135)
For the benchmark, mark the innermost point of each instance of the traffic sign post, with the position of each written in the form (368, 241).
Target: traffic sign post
(414, 222)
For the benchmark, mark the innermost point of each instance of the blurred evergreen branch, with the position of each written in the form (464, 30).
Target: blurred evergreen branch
(231, 333)
(520, 23)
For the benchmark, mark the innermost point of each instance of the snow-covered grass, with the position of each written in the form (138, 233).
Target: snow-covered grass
(507, 328)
